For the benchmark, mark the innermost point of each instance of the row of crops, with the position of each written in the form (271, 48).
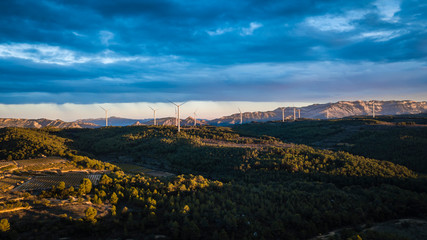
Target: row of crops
(46, 182)
(35, 164)
(9, 182)
(38, 161)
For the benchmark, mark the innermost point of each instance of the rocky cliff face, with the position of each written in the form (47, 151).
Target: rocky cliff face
(329, 110)
(39, 123)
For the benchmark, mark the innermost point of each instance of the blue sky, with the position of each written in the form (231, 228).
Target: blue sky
(89, 52)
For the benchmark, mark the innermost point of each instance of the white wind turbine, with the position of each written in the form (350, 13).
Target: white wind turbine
(106, 116)
(195, 119)
(294, 113)
(373, 109)
(154, 111)
(178, 120)
(241, 116)
(283, 113)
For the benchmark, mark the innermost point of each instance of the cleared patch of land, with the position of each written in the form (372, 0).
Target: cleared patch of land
(46, 182)
(138, 169)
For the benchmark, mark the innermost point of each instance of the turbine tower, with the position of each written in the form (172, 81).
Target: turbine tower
(283, 114)
(177, 119)
(195, 119)
(373, 109)
(299, 113)
(241, 116)
(154, 111)
(106, 116)
(294, 113)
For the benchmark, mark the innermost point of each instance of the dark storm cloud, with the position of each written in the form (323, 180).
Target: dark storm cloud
(205, 50)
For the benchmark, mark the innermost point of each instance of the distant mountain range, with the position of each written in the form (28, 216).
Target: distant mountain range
(169, 121)
(39, 123)
(329, 110)
(317, 111)
(112, 121)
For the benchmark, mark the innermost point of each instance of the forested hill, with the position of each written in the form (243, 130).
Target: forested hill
(398, 139)
(233, 187)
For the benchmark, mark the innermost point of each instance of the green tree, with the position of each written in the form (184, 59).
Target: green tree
(4, 225)
(91, 214)
(113, 211)
(61, 186)
(85, 187)
(185, 209)
(105, 180)
(114, 199)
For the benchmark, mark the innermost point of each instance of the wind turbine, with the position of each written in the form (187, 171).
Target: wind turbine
(373, 109)
(241, 116)
(178, 120)
(154, 110)
(195, 120)
(106, 116)
(283, 114)
(294, 113)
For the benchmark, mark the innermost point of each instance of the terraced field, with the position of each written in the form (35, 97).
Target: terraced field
(137, 169)
(36, 164)
(7, 183)
(46, 182)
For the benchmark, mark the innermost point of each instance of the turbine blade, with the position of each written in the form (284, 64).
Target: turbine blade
(173, 103)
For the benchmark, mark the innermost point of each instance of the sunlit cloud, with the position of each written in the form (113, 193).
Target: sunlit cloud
(250, 30)
(219, 31)
(105, 37)
(381, 36)
(41, 53)
(388, 9)
(339, 23)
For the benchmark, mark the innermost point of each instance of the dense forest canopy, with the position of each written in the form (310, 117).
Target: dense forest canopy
(228, 183)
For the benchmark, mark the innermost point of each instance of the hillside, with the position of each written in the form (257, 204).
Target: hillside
(171, 121)
(399, 139)
(226, 186)
(333, 110)
(112, 121)
(40, 123)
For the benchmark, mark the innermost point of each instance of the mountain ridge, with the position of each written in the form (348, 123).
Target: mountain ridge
(338, 109)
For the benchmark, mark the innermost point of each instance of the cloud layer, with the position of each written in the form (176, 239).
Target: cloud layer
(131, 51)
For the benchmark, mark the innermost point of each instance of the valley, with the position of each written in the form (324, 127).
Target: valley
(273, 180)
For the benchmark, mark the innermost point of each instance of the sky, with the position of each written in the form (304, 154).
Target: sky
(61, 59)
